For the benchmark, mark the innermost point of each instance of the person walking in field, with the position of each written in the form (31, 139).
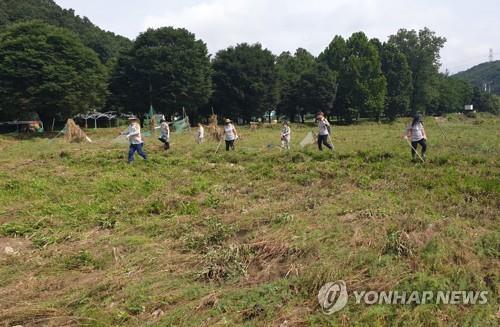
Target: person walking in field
(415, 132)
(285, 136)
(230, 134)
(164, 134)
(201, 134)
(134, 137)
(324, 132)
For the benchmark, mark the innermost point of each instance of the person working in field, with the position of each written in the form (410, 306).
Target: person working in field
(164, 134)
(416, 133)
(230, 134)
(200, 137)
(285, 136)
(134, 137)
(324, 131)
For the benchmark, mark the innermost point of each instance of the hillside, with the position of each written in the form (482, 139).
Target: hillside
(485, 72)
(106, 44)
(194, 238)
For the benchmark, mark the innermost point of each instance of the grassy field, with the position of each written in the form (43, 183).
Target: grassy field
(194, 238)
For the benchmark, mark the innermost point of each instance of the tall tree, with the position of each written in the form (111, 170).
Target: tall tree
(315, 90)
(245, 81)
(485, 102)
(399, 82)
(422, 52)
(168, 68)
(290, 70)
(362, 86)
(334, 57)
(453, 94)
(47, 70)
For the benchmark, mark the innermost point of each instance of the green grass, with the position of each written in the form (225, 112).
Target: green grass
(195, 238)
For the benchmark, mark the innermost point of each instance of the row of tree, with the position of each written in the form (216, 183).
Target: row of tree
(47, 70)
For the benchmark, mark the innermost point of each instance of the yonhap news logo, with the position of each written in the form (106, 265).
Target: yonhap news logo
(333, 297)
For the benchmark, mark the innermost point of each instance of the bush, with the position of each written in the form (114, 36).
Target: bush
(15, 229)
(221, 264)
(489, 245)
(398, 243)
(80, 260)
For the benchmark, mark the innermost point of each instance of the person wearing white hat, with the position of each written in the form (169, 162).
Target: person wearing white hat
(134, 137)
(230, 134)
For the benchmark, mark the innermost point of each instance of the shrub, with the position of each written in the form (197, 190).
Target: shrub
(80, 260)
(489, 245)
(398, 243)
(224, 263)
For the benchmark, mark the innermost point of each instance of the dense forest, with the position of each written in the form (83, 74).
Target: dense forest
(107, 45)
(485, 76)
(56, 64)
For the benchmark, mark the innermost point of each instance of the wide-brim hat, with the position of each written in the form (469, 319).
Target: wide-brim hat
(227, 121)
(133, 118)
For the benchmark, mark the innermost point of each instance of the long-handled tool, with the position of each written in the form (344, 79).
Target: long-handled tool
(440, 129)
(411, 146)
(218, 146)
(331, 143)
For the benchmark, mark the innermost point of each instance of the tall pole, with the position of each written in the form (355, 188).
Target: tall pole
(150, 93)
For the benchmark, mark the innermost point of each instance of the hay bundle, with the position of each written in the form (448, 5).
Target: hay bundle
(213, 130)
(73, 133)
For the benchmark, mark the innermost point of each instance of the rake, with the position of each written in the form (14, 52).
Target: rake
(411, 146)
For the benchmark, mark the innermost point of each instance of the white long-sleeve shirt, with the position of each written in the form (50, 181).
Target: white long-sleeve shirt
(286, 133)
(164, 131)
(323, 125)
(134, 134)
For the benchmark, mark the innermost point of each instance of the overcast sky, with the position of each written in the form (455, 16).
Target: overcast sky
(471, 27)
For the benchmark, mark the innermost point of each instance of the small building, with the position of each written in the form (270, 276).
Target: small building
(469, 110)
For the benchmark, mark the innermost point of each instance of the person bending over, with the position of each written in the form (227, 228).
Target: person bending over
(416, 133)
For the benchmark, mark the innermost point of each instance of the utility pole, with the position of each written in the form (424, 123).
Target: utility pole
(150, 93)
(487, 86)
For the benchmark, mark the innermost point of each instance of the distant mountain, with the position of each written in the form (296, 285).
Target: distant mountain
(488, 72)
(107, 45)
